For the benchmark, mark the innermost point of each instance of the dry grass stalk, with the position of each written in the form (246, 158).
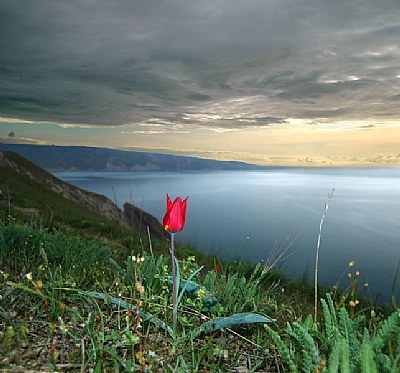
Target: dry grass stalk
(317, 255)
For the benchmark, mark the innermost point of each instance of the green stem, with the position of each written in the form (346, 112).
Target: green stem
(174, 289)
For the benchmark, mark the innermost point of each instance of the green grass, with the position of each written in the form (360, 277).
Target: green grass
(87, 305)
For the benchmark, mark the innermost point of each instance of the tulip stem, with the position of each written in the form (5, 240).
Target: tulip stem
(174, 289)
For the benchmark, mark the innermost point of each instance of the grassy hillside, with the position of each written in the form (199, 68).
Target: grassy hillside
(25, 192)
(100, 300)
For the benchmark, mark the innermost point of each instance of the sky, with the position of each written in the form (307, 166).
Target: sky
(278, 82)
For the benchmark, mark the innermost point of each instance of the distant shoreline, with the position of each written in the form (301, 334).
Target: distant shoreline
(181, 160)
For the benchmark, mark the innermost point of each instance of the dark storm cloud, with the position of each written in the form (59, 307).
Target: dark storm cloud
(114, 62)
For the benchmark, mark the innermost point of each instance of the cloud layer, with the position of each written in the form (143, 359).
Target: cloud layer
(218, 64)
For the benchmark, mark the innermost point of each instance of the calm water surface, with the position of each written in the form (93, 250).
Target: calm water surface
(244, 214)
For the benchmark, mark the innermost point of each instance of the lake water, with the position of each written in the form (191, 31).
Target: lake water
(244, 214)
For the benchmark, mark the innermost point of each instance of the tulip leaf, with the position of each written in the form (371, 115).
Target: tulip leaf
(226, 322)
(190, 286)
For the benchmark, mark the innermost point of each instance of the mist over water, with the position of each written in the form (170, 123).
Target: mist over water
(244, 214)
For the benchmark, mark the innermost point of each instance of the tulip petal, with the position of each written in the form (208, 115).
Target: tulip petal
(174, 218)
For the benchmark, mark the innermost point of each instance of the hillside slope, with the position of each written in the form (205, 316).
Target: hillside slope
(29, 189)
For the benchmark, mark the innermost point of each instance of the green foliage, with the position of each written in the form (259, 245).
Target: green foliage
(341, 343)
(121, 304)
(302, 334)
(39, 251)
(368, 364)
(284, 349)
(238, 293)
(113, 314)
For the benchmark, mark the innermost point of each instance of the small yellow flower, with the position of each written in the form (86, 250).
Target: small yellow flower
(357, 273)
(29, 276)
(351, 263)
(39, 284)
(352, 303)
(201, 293)
(357, 302)
(349, 275)
(373, 314)
(366, 285)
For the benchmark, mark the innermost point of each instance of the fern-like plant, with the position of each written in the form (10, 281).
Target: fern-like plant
(340, 343)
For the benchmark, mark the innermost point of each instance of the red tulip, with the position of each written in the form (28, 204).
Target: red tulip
(174, 218)
(217, 268)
